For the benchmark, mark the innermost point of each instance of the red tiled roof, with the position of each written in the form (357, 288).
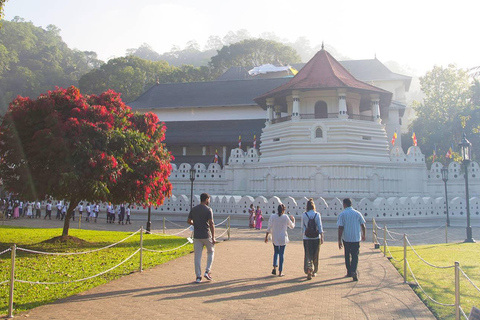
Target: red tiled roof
(324, 72)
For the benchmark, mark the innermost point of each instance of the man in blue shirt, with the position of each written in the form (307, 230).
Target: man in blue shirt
(351, 229)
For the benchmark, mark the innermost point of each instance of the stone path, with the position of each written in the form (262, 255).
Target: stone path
(243, 287)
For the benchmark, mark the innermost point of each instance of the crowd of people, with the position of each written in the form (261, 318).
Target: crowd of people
(16, 208)
(255, 217)
(351, 231)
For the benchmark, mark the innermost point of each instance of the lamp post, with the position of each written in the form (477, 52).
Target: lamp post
(192, 178)
(149, 223)
(465, 147)
(445, 179)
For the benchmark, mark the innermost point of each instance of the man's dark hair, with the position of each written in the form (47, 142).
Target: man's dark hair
(347, 202)
(204, 197)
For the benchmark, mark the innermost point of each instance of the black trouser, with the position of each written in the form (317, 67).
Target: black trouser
(352, 249)
(311, 248)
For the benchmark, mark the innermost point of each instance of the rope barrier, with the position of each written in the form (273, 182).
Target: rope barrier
(5, 251)
(173, 234)
(392, 238)
(431, 265)
(221, 234)
(84, 279)
(74, 253)
(174, 249)
(426, 294)
(3, 282)
(463, 313)
(174, 223)
(225, 220)
(473, 284)
(391, 256)
(418, 234)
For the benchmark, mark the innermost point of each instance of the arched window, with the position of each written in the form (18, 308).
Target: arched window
(319, 133)
(321, 110)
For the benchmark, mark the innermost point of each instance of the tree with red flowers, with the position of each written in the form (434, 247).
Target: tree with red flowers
(76, 147)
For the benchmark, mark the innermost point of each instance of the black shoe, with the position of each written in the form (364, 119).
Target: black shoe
(348, 275)
(274, 271)
(355, 276)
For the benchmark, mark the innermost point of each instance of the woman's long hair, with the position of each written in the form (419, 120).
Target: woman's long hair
(310, 205)
(281, 209)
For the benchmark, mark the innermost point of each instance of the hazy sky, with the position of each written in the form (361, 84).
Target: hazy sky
(417, 33)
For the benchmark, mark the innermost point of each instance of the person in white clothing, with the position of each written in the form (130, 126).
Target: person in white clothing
(277, 226)
(30, 209)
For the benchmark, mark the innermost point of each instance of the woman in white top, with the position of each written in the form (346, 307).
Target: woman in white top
(277, 226)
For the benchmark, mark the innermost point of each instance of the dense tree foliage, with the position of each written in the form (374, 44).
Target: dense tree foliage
(2, 12)
(450, 106)
(131, 76)
(253, 52)
(74, 147)
(34, 60)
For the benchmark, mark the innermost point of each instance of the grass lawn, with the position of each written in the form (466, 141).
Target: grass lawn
(440, 283)
(48, 268)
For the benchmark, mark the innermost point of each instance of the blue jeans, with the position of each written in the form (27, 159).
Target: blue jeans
(278, 253)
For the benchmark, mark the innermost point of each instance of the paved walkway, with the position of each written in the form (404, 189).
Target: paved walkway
(243, 287)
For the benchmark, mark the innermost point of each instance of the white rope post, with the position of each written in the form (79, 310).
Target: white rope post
(163, 224)
(404, 258)
(384, 240)
(12, 282)
(141, 248)
(228, 232)
(446, 232)
(457, 290)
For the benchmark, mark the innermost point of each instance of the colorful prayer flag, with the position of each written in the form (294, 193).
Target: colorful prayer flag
(254, 141)
(414, 138)
(394, 137)
(449, 153)
(434, 156)
(240, 142)
(215, 160)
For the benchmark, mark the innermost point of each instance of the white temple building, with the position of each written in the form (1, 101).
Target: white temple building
(323, 133)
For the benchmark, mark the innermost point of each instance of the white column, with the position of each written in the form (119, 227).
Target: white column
(204, 151)
(184, 151)
(375, 103)
(278, 113)
(224, 155)
(342, 104)
(270, 102)
(296, 105)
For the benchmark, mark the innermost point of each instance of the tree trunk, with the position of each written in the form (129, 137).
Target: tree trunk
(66, 224)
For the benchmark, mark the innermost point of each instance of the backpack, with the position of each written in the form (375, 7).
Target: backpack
(311, 230)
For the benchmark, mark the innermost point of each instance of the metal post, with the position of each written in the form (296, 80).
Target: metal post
(373, 231)
(404, 258)
(79, 220)
(149, 223)
(141, 248)
(164, 225)
(12, 282)
(469, 227)
(384, 240)
(228, 230)
(446, 232)
(457, 291)
(446, 203)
